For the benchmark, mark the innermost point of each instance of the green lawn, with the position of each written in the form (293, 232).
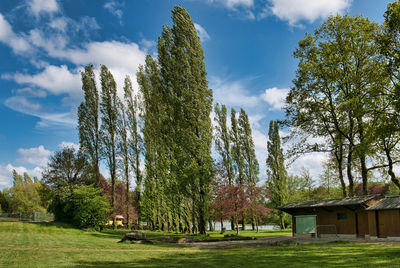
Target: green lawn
(47, 245)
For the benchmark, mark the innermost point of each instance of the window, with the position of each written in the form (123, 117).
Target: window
(342, 216)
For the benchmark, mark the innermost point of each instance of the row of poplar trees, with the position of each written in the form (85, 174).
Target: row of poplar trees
(236, 149)
(174, 109)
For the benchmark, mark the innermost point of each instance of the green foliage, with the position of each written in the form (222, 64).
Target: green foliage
(177, 128)
(88, 207)
(276, 182)
(237, 156)
(25, 195)
(339, 79)
(223, 140)
(250, 167)
(109, 116)
(88, 121)
(67, 167)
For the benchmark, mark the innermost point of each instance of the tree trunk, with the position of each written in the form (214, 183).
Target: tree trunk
(339, 159)
(364, 173)
(349, 172)
(390, 171)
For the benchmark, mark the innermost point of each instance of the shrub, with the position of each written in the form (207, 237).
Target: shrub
(88, 207)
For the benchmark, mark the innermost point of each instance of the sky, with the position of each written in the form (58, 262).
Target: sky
(248, 46)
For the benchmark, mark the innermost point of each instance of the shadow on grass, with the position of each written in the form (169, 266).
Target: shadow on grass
(265, 257)
(56, 224)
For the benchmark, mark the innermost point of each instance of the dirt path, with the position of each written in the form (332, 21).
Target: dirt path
(274, 240)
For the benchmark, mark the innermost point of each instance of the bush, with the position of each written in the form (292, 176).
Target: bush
(88, 207)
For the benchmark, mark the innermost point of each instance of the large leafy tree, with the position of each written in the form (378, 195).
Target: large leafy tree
(109, 116)
(388, 106)
(88, 121)
(338, 79)
(67, 167)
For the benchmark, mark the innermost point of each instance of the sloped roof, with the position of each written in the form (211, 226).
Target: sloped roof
(348, 201)
(389, 202)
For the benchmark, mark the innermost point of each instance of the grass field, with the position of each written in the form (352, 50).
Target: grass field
(49, 245)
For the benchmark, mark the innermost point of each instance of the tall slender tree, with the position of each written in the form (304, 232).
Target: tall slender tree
(223, 144)
(250, 163)
(276, 182)
(223, 140)
(134, 142)
(251, 167)
(109, 116)
(88, 121)
(123, 152)
(238, 161)
(195, 98)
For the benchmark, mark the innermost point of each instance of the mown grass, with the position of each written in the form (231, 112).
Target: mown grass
(49, 245)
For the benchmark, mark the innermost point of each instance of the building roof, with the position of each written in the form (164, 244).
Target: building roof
(389, 202)
(348, 201)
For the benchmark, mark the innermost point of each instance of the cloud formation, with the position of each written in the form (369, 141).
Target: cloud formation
(202, 33)
(38, 7)
(232, 4)
(7, 36)
(295, 11)
(232, 93)
(54, 79)
(115, 8)
(275, 97)
(36, 156)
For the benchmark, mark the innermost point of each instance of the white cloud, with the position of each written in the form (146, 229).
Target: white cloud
(7, 36)
(114, 8)
(232, 93)
(43, 6)
(275, 97)
(6, 173)
(202, 33)
(25, 106)
(314, 162)
(60, 24)
(20, 103)
(55, 79)
(295, 11)
(37, 156)
(29, 92)
(232, 4)
(67, 144)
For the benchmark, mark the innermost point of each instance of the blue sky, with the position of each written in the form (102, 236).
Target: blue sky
(44, 44)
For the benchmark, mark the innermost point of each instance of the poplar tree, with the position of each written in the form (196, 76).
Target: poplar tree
(109, 116)
(223, 139)
(250, 163)
(251, 167)
(134, 141)
(276, 172)
(123, 152)
(238, 161)
(177, 130)
(88, 121)
(223, 143)
(195, 97)
(150, 86)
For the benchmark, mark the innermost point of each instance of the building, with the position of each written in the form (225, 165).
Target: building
(371, 216)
